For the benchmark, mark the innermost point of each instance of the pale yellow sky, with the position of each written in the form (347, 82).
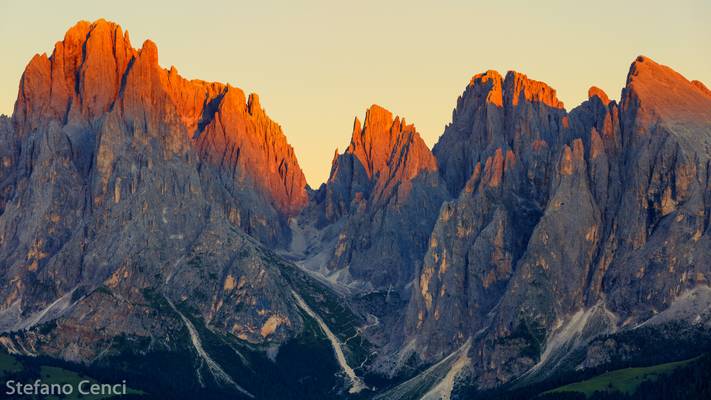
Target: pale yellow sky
(317, 64)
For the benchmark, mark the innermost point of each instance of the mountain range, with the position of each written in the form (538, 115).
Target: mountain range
(160, 229)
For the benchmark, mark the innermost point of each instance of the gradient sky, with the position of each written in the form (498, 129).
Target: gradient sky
(317, 64)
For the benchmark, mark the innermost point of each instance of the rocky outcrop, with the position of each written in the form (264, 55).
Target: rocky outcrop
(125, 186)
(382, 155)
(8, 159)
(497, 156)
(242, 140)
(663, 217)
(493, 113)
(562, 221)
(385, 190)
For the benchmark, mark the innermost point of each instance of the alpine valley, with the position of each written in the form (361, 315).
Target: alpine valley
(160, 231)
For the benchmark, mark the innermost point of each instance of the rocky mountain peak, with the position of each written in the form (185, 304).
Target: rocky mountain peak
(253, 104)
(495, 113)
(149, 51)
(611, 195)
(518, 87)
(595, 91)
(385, 144)
(238, 133)
(490, 83)
(94, 72)
(699, 85)
(660, 87)
(512, 89)
(657, 94)
(384, 186)
(377, 118)
(79, 81)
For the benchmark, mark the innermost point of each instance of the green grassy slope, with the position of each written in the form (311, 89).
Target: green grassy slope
(12, 369)
(8, 364)
(623, 380)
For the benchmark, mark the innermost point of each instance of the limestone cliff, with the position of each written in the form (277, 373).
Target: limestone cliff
(563, 224)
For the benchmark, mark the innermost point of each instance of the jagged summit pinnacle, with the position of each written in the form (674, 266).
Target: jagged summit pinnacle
(513, 88)
(386, 143)
(667, 93)
(595, 91)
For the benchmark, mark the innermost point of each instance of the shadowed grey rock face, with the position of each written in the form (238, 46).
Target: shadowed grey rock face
(494, 113)
(497, 156)
(559, 213)
(8, 159)
(663, 217)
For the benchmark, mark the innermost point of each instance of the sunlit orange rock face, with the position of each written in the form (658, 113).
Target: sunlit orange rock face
(80, 80)
(390, 150)
(595, 91)
(384, 156)
(659, 93)
(241, 137)
(521, 88)
(95, 71)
